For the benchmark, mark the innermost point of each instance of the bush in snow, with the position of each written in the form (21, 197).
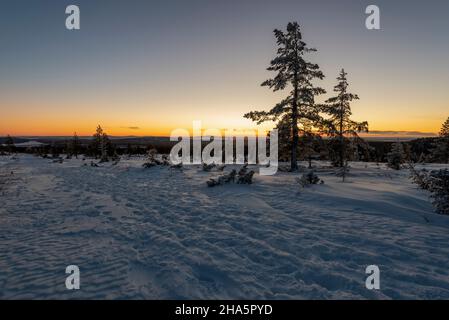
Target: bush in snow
(242, 177)
(396, 157)
(243, 170)
(227, 178)
(213, 167)
(208, 167)
(420, 178)
(439, 187)
(165, 160)
(437, 183)
(309, 178)
(246, 178)
(153, 161)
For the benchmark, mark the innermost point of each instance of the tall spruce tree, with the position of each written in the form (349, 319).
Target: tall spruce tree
(295, 72)
(100, 145)
(339, 125)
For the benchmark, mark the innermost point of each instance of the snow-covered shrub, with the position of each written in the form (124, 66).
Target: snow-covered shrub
(309, 178)
(165, 160)
(152, 153)
(439, 187)
(208, 167)
(243, 170)
(154, 161)
(437, 183)
(246, 178)
(420, 178)
(224, 179)
(242, 177)
(396, 157)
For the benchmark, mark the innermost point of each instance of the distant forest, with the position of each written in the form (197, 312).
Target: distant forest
(418, 150)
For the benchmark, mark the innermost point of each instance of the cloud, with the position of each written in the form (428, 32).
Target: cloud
(131, 128)
(402, 133)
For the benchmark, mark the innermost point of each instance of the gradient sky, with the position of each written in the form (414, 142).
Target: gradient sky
(147, 67)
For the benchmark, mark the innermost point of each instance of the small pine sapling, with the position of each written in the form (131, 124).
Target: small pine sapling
(309, 178)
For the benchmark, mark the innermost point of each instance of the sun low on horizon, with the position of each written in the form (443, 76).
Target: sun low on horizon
(146, 70)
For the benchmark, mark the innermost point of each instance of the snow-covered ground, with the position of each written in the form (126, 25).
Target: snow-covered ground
(162, 233)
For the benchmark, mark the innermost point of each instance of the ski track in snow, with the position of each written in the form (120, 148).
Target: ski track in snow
(161, 233)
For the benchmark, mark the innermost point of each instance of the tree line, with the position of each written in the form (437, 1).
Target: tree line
(312, 146)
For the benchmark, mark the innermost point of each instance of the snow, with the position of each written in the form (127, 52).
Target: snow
(162, 233)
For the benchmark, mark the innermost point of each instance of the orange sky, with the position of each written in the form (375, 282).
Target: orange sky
(48, 119)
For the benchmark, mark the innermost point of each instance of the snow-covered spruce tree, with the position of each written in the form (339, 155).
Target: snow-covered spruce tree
(339, 126)
(105, 146)
(295, 72)
(440, 150)
(396, 157)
